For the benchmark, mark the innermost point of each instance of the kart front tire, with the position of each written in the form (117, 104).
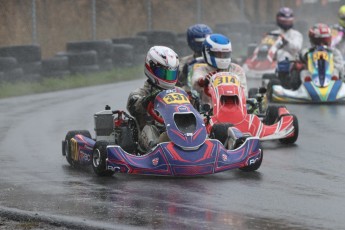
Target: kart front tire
(220, 131)
(99, 156)
(272, 114)
(293, 139)
(257, 163)
(67, 146)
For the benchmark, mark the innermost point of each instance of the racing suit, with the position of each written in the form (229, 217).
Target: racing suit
(186, 64)
(201, 70)
(150, 133)
(291, 45)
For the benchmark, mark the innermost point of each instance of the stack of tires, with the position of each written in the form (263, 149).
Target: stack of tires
(129, 50)
(56, 67)
(10, 70)
(22, 62)
(89, 56)
(160, 37)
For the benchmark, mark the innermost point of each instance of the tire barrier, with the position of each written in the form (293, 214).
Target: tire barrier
(140, 47)
(29, 60)
(10, 70)
(102, 47)
(55, 67)
(123, 55)
(160, 37)
(83, 62)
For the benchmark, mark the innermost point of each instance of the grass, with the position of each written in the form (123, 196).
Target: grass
(69, 82)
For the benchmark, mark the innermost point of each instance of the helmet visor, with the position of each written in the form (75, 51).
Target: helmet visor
(165, 74)
(218, 54)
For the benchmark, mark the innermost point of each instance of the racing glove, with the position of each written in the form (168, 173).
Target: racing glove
(146, 100)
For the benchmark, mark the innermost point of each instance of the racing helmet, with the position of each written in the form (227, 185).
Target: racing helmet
(161, 67)
(196, 35)
(217, 51)
(320, 34)
(285, 18)
(341, 15)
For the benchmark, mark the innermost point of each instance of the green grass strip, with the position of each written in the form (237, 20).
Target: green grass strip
(73, 81)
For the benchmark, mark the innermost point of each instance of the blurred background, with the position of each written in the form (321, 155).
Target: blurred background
(57, 38)
(53, 23)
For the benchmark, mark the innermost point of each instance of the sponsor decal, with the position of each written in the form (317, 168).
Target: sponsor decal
(175, 98)
(155, 161)
(224, 157)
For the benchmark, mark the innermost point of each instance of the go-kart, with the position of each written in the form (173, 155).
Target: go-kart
(263, 58)
(188, 153)
(231, 106)
(319, 86)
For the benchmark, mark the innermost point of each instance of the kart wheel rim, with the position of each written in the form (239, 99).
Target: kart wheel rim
(96, 158)
(66, 149)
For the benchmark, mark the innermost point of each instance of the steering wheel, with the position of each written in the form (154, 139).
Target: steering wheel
(151, 111)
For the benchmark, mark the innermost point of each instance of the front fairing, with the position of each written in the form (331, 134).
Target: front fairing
(185, 126)
(308, 92)
(226, 84)
(167, 159)
(321, 66)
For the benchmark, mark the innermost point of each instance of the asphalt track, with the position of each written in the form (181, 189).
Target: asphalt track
(297, 187)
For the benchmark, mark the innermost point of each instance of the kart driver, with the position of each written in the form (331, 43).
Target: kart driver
(341, 27)
(217, 54)
(320, 35)
(195, 36)
(161, 69)
(291, 40)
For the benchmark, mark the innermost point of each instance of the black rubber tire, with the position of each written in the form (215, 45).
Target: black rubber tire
(256, 165)
(102, 47)
(99, 156)
(23, 53)
(139, 43)
(292, 139)
(67, 149)
(220, 132)
(54, 64)
(57, 74)
(270, 85)
(14, 75)
(272, 114)
(8, 63)
(160, 37)
(82, 58)
(86, 69)
(123, 55)
(31, 67)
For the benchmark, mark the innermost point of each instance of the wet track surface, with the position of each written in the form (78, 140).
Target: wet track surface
(297, 187)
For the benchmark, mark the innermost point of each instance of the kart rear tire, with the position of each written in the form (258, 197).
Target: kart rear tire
(99, 156)
(272, 114)
(270, 85)
(220, 131)
(67, 145)
(257, 163)
(293, 139)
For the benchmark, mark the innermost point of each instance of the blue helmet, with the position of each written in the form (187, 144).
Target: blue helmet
(217, 51)
(196, 35)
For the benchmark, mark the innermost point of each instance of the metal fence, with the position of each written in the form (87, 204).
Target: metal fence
(51, 24)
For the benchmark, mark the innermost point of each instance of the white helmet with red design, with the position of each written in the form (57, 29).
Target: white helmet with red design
(161, 66)
(320, 34)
